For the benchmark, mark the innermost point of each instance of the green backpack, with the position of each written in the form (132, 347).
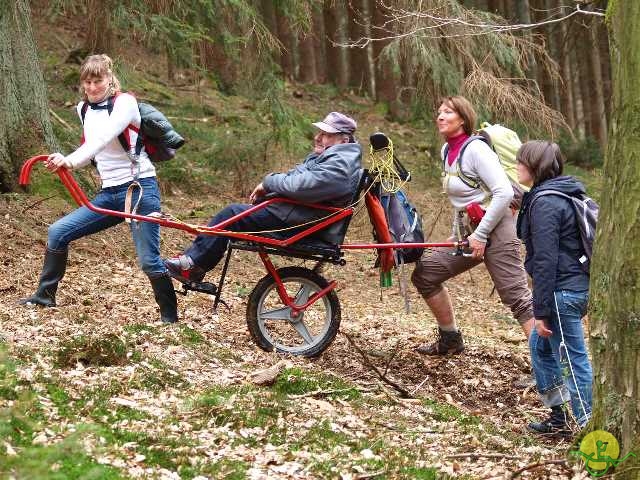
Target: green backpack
(506, 144)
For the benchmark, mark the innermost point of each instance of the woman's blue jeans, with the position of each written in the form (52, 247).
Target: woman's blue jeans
(146, 236)
(560, 362)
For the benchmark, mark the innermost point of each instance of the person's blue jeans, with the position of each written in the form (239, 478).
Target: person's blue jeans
(146, 236)
(206, 251)
(560, 362)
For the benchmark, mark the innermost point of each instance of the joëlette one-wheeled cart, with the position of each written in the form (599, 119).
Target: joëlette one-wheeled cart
(291, 309)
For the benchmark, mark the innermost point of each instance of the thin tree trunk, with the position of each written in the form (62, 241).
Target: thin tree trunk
(578, 106)
(615, 275)
(335, 21)
(268, 14)
(582, 80)
(359, 71)
(523, 14)
(555, 52)
(385, 79)
(567, 77)
(307, 58)
(98, 26)
(605, 59)
(286, 38)
(598, 115)
(319, 45)
(25, 126)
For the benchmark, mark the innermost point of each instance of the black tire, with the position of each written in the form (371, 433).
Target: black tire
(322, 318)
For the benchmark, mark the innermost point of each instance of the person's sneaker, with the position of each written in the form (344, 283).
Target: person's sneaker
(557, 423)
(183, 270)
(446, 343)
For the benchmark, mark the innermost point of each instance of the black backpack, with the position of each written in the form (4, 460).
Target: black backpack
(156, 133)
(586, 210)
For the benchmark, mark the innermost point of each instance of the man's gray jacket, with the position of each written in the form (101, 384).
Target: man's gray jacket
(330, 178)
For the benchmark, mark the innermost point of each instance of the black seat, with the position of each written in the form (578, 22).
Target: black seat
(322, 245)
(335, 233)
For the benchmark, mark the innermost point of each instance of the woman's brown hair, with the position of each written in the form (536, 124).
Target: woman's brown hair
(543, 159)
(98, 66)
(462, 107)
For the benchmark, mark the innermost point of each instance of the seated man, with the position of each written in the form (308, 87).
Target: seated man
(329, 175)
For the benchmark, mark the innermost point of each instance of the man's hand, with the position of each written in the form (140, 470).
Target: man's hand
(542, 329)
(257, 193)
(57, 160)
(477, 247)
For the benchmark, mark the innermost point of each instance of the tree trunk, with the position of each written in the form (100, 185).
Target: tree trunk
(567, 77)
(581, 81)
(335, 21)
(98, 27)
(25, 126)
(319, 45)
(286, 38)
(598, 115)
(307, 58)
(576, 79)
(360, 67)
(268, 14)
(523, 14)
(605, 59)
(615, 279)
(385, 79)
(555, 52)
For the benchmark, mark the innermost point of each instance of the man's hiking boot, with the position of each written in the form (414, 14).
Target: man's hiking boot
(55, 264)
(184, 270)
(446, 343)
(557, 424)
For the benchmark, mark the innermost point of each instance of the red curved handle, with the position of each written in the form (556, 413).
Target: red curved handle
(64, 174)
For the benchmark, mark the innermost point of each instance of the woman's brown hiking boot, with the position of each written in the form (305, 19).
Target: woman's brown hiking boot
(447, 343)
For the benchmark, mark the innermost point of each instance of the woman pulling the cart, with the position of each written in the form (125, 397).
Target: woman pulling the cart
(119, 170)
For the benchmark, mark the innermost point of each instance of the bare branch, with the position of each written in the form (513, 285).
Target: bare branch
(367, 363)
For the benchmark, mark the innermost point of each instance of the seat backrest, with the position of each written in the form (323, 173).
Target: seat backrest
(335, 233)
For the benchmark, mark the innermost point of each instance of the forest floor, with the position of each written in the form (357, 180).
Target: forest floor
(98, 388)
(102, 377)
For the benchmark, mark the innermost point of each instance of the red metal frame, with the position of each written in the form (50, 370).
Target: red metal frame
(337, 214)
(282, 291)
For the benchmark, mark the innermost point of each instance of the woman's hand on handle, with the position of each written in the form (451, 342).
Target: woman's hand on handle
(477, 247)
(57, 160)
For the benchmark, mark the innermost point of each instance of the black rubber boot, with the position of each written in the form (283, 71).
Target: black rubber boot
(556, 424)
(446, 343)
(165, 297)
(55, 264)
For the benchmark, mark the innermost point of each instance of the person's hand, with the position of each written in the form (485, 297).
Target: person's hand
(258, 192)
(542, 329)
(477, 247)
(57, 160)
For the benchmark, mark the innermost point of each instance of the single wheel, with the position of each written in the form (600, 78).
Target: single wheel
(273, 327)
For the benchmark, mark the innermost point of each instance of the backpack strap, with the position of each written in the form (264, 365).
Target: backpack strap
(544, 193)
(466, 179)
(124, 138)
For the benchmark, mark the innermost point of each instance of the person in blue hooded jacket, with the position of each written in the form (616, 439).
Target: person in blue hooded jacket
(329, 175)
(555, 261)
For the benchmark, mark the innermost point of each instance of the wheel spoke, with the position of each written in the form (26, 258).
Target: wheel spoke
(303, 294)
(283, 313)
(302, 330)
